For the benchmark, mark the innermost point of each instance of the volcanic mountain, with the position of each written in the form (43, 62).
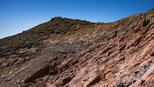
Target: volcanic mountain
(67, 52)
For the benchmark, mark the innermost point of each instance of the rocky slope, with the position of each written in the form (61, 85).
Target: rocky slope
(74, 53)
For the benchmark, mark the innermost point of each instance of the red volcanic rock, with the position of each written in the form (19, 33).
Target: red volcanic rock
(117, 54)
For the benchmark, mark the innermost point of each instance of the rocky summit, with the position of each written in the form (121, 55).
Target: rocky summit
(67, 52)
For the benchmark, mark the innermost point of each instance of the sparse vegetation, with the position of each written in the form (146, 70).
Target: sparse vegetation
(5, 70)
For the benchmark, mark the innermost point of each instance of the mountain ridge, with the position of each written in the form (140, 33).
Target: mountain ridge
(76, 53)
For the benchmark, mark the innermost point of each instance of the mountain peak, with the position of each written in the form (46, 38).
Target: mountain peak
(57, 18)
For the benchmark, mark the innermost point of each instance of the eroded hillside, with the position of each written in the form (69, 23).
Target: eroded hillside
(74, 53)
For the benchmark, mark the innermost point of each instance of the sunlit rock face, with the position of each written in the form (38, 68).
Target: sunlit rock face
(73, 53)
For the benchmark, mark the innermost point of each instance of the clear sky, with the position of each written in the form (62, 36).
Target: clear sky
(19, 15)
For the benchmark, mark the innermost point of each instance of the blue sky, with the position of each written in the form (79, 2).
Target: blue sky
(19, 15)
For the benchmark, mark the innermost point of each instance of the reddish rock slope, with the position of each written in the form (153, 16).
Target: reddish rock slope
(117, 54)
